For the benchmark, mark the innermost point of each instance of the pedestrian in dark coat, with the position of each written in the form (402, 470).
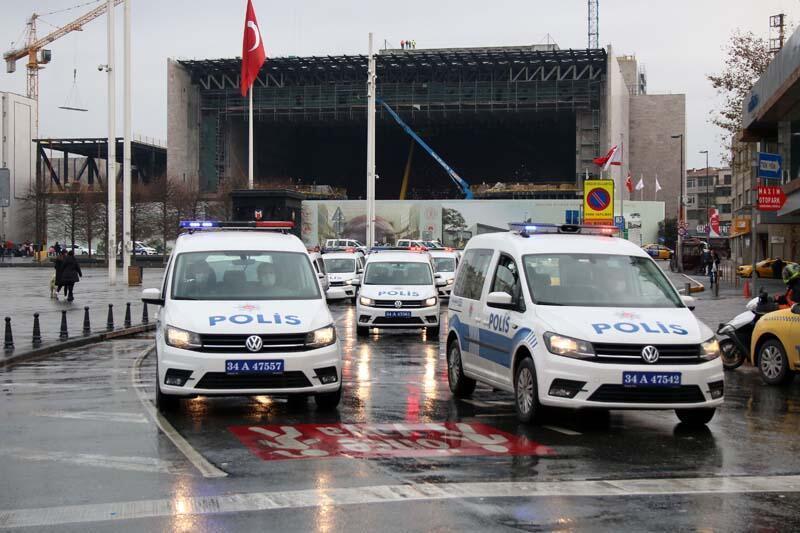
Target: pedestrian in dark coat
(59, 266)
(70, 274)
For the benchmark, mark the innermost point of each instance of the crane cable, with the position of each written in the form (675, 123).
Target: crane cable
(71, 8)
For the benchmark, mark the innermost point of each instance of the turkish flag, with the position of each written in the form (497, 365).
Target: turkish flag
(253, 54)
(629, 183)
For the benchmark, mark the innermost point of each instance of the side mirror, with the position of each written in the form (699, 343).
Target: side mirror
(796, 309)
(689, 302)
(355, 281)
(360, 271)
(440, 282)
(152, 296)
(320, 275)
(499, 299)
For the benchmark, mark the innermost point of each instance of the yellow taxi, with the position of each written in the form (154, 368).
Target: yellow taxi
(657, 251)
(763, 269)
(775, 348)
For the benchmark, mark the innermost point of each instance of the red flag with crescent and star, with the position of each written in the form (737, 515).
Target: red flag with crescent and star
(253, 54)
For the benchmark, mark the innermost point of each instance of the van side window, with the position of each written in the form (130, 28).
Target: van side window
(472, 274)
(506, 279)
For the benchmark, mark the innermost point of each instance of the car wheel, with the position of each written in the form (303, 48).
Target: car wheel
(526, 392)
(732, 356)
(362, 331)
(696, 417)
(165, 403)
(327, 401)
(773, 365)
(460, 385)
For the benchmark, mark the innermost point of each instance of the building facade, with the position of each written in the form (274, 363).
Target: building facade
(17, 154)
(706, 189)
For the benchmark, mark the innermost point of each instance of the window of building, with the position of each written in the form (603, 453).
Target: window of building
(725, 208)
(726, 179)
(690, 183)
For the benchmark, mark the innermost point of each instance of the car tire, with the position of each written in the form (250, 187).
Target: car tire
(696, 417)
(526, 392)
(328, 401)
(362, 331)
(460, 385)
(732, 356)
(773, 364)
(165, 403)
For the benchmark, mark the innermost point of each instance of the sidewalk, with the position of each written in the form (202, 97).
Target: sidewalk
(730, 302)
(25, 291)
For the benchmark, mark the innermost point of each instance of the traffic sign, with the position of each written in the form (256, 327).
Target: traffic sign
(770, 197)
(619, 222)
(683, 232)
(769, 165)
(598, 201)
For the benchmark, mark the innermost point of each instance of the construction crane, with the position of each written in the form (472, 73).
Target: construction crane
(34, 48)
(594, 24)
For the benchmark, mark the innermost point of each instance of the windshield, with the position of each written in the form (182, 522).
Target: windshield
(244, 275)
(597, 280)
(398, 273)
(444, 264)
(340, 266)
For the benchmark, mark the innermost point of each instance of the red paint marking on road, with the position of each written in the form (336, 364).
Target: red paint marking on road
(446, 439)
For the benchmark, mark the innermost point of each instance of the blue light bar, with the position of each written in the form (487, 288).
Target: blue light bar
(275, 225)
(526, 229)
(199, 224)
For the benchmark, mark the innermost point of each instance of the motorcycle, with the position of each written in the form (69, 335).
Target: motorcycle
(735, 335)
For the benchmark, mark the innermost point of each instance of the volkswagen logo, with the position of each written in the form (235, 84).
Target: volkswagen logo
(650, 354)
(398, 304)
(254, 343)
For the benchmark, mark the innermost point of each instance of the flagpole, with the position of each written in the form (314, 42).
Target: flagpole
(250, 140)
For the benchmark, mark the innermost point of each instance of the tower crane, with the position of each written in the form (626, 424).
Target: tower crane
(36, 53)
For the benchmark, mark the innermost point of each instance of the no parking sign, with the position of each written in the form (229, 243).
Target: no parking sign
(598, 202)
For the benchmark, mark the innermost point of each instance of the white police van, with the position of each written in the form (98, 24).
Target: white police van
(398, 290)
(243, 314)
(445, 263)
(571, 316)
(343, 268)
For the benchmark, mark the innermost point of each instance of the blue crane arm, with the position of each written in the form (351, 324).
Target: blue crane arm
(458, 180)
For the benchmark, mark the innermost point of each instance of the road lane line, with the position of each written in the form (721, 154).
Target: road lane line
(298, 499)
(565, 431)
(105, 416)
(129, 463)
(201, 463)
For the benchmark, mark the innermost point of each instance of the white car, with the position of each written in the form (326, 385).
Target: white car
(409, 243)
(243, 314)
(564, 318)
(398, 290)
(139, 248)
(81, 250)
(344, 244)
(343, 268)
(445, 263)
(319, 270)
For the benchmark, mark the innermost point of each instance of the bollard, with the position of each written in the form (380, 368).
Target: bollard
(87, 327)
(128, 315)
(716, 288)
(37, 333)
(8, 343)
(110, 320)
(688, 289)
(145, 318)
(63, 335)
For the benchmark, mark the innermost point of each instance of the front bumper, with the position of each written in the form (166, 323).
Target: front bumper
(603, 385)
(375, 317)
(340, 292)
(444, 292)
(208, 376)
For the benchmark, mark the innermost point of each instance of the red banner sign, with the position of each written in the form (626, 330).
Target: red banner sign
(447, 439)
(770, 197)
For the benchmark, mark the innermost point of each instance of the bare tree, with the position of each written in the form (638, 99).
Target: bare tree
(747, 57)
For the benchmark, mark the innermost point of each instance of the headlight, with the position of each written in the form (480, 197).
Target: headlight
(349, 282)
(568, 347)
(180, 338)
(709, 350)
(430, 302)
(450, 281)
(321, 337)
(366, 301)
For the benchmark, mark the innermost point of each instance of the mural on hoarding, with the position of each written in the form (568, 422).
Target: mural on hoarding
(460, 221)
(348, 220)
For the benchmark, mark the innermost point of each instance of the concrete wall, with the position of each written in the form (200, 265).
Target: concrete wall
(616, 123)
(629, 68)
(18, 154)
(183, 126)
(653, 120)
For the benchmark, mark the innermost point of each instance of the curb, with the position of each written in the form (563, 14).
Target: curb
(15, 358)
(698, 287)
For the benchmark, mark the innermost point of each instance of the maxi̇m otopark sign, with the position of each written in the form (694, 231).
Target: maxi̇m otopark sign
(598, 202)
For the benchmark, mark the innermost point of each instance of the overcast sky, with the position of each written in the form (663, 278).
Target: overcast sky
(678, 41)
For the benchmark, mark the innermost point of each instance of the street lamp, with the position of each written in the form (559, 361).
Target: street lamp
(680, 209)
(708, 221)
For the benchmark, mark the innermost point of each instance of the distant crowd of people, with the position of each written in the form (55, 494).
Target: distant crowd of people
(9, 249)
(408, 45)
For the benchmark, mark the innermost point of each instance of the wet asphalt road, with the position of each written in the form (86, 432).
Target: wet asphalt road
(80, 451)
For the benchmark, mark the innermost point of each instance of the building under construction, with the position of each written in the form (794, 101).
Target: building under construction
(519, 114)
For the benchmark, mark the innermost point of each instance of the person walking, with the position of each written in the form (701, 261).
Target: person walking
(402, 44)
(57, 283)
(57, 248)
(70, 274)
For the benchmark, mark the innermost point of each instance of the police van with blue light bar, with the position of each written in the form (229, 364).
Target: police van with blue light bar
(243, 313)
(572, 316)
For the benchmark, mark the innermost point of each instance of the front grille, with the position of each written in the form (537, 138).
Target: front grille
(631, 354)
(279, 342)
(623, 394)
(405, 303)
(397, 320)
(221, 380)
(338, 283)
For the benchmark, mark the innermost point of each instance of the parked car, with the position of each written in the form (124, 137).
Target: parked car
(658, 251)
(764, 269)
(81, 250)
(140, 248)
(775, 346)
